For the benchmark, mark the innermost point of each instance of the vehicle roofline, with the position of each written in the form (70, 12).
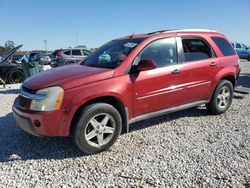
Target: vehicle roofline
(177, 31)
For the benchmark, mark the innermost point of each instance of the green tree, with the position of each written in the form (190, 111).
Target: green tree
(8, 45)
(81, 46)
(2, 50)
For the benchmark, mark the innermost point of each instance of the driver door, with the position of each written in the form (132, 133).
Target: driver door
(160, 88)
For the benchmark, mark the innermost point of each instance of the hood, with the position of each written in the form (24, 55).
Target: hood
(10, 53)
(67, 77)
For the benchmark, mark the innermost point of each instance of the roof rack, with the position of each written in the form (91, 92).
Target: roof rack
(182, 30)
(160, 31)
(195, 30)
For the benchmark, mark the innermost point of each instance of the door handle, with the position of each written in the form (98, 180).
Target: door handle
(213, 64)
(176, 71)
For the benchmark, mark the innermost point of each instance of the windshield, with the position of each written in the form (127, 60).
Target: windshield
(112, 54)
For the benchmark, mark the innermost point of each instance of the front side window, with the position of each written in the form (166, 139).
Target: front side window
(163, 52)
(244, 46)
(113, 53)
(76, 52)
(196, 49)
(85, 53)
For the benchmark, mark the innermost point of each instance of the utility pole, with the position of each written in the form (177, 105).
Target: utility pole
(45, 42)
(76, 39)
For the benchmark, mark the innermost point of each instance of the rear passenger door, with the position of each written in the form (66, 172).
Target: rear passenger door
(77, 55)
(199, 68)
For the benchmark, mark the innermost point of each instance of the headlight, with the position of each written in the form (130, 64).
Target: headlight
(52, 101)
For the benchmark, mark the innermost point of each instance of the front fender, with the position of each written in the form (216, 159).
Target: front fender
(75, 98)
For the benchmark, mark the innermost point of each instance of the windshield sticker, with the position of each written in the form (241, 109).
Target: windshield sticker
(130, 44)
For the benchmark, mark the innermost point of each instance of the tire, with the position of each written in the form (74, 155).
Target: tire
(15, 76)
(97, 128)
(222, 98)
(248, 58)
(69, 63)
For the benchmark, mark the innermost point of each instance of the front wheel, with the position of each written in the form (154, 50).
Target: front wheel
(15, 76)
(97, 128)
(222, 98)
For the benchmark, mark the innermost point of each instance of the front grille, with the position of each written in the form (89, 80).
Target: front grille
(24, 102)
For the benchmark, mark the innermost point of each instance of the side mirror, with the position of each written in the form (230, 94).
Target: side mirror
(145, 65)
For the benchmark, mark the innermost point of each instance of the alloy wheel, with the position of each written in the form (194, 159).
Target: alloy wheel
(100, 130)
(223, 97)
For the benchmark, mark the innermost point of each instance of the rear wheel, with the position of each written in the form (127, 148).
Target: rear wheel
(69, 63)
(222, 98)
(15, 76)
(97, 128)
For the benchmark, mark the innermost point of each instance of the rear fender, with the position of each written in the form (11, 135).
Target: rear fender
(220, 75)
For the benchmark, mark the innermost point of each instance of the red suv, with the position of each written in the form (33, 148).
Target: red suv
(127, 80)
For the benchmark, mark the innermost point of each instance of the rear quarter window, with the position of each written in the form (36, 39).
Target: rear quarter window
(67, 52)
(224, 46)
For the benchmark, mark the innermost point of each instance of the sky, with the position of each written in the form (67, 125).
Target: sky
(66, 23)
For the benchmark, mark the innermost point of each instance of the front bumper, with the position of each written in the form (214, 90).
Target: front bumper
(53, 123)
(24, 123)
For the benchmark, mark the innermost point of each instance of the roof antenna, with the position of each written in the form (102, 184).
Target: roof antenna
(131, 36)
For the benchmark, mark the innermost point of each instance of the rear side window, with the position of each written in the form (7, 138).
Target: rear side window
(196, 49)
(67, 52)
(224, 46)
(76, 52)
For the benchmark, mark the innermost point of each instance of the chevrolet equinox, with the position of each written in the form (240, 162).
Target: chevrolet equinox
(128, 80)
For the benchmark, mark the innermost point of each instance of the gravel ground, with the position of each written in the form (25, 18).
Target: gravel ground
(184, 149)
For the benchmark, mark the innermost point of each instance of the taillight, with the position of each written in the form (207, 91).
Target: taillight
(58, 55)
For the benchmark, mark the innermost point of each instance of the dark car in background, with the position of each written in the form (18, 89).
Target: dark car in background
(11, 72)
(16, 58)
(43, 59)
(242, 50)
(69, 56)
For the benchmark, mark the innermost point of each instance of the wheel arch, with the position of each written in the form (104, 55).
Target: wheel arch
(114, 101)
(230, 77)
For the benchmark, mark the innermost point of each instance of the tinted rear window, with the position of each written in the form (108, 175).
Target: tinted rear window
(67, 52)
(224, 46)
(238, 46)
